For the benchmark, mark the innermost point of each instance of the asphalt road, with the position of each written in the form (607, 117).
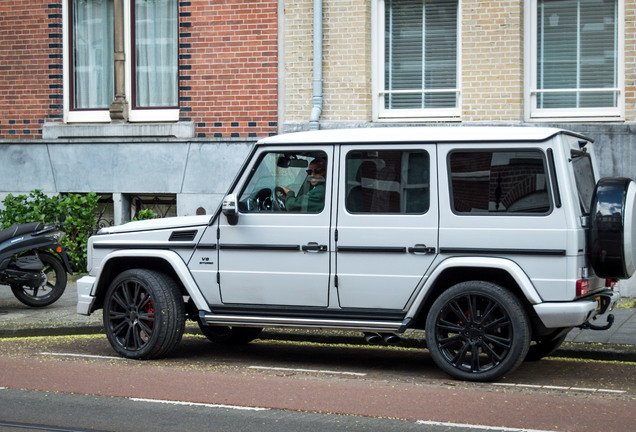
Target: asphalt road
(279, 385)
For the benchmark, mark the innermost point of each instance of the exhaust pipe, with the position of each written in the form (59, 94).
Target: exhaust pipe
(372, 338)
(378, 338)
(390, 338)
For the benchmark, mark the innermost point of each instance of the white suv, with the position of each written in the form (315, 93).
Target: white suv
(495, 241)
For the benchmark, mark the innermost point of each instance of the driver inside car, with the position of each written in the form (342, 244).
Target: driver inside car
(313, 200)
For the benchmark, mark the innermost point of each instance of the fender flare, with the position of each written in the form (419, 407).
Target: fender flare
(172, 258)
(509, 266)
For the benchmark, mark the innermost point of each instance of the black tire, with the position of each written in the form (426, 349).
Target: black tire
(144, 314)
(613, 228)
(477, 331)
(53, 289)
(545, 346)
(230, 335)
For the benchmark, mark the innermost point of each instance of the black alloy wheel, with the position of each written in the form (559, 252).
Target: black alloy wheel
(477, 331)
(55, 276)
(144, 314)
(225, 335)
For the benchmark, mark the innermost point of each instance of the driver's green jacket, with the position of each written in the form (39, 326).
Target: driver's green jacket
(311, 202)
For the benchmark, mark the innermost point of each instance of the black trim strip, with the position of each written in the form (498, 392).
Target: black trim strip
(475, 251)
(297, 312)
(269, 247)
(381, 249)
(206, 246)
(555, 184)
(171, 245)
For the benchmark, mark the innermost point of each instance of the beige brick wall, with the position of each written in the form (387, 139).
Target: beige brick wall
(298, 41)
(346, 65)
(492, 60)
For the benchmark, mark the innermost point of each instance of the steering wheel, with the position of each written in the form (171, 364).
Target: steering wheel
(279, 198)
(264, 200)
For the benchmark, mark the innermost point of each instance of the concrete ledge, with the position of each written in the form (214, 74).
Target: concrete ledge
(51, 131)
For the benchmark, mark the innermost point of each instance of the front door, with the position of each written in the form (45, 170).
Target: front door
(386, 224)
(277, 253)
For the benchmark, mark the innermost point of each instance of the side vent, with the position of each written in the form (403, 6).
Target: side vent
(183, 235)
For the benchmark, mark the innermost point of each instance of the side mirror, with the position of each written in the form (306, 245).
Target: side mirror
(230, 208)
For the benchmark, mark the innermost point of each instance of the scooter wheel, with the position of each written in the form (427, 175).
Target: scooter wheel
(51, 291)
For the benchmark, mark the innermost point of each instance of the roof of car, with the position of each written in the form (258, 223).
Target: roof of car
(435, 134)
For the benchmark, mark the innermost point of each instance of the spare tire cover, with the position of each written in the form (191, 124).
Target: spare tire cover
(612, 242)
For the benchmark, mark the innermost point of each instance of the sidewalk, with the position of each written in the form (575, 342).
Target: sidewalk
(18, 320)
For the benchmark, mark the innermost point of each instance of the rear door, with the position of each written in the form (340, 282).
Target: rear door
(387, 220)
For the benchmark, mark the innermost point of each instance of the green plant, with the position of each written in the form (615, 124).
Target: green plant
(35, 207)
(80, 220)
(144, 214)
(77, 212)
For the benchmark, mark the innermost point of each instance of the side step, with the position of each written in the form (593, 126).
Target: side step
(267, 321)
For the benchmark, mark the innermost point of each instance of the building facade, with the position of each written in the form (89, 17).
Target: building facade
(149, 103)
(567, 63)
(158, 101)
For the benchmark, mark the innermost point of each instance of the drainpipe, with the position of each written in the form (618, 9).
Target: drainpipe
(317, 82)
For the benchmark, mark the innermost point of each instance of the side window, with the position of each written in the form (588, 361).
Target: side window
(395, 181)
(503, 182)
(292, 182)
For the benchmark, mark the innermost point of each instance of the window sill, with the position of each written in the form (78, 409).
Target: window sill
(184, 129)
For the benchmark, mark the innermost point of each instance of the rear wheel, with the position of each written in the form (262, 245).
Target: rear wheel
(546, 346)
(477, 331)
(54, 277)
(230, 335)
(144, 314)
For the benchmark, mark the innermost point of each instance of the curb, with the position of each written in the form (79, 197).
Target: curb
(573, 350)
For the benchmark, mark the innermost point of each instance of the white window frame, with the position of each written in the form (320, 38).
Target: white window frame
(534, 114)
(103, 115)
(380, 113)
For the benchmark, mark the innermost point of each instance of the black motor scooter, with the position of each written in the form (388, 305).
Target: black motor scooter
(33, 263)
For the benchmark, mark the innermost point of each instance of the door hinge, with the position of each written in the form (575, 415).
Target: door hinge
(218, 278)
(335, 281)
(335, 235)
(218, 233)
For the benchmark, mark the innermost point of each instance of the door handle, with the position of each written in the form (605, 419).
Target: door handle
(422, 249)
(314, 247)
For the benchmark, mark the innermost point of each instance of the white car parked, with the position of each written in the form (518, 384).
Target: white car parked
(495, 241)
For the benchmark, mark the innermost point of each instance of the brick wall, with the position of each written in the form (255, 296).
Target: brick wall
(228, 54)
(30, 66)
(228, 68)
(346, 60)
(492, 60)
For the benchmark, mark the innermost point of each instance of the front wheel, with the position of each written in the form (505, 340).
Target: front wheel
(144, 314)
(477, 331)
(48, 293)
(229, 335)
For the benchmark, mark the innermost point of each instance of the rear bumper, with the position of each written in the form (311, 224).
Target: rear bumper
(84, 298)
(573, 314)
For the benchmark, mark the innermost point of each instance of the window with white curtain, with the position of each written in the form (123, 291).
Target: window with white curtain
(151, 52)
(418, 51)
(92, 54)
(576, 57)
(156, 53)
